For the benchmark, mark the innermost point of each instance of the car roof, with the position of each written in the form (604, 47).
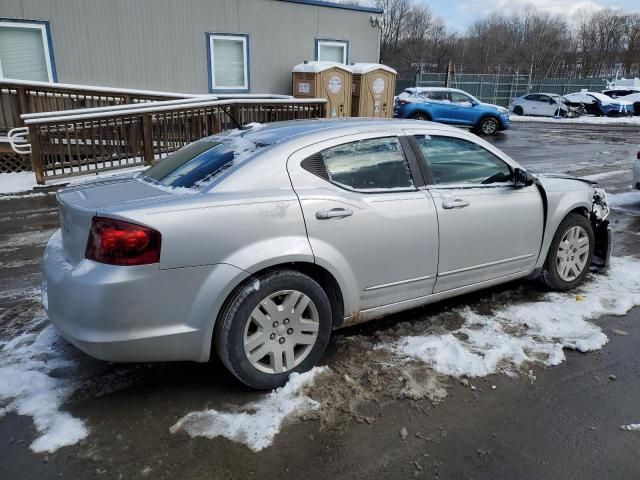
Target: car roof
(282, 132)
(433, 89)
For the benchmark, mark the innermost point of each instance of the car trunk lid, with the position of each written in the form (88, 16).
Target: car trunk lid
(78, 205)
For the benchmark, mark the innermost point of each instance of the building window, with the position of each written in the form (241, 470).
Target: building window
(228, 62)
(332, 51)
(25, 51)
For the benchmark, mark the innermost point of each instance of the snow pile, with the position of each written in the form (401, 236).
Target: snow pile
(532, 331)
(257, 424)
(625, 200)
(29, 388)
(17, 182)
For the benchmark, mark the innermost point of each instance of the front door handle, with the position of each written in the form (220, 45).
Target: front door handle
(333, 213)
(455, 203)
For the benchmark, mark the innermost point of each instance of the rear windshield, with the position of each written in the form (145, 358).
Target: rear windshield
(199, 163)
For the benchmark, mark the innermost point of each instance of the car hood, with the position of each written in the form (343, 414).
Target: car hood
(493, 106)
(559, 182)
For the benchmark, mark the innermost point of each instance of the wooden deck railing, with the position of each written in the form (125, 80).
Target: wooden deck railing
(97, 140)
(19, 97)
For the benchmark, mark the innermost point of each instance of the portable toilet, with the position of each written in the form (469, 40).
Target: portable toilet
(372, 90)
(329, 80)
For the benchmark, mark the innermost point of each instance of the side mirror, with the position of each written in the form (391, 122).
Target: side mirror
(522, 178)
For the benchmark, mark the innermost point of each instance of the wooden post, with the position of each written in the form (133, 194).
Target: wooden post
(23, 107)
(147, 139)
(36, 153)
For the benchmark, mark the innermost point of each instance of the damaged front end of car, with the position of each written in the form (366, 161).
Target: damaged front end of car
(601, 230)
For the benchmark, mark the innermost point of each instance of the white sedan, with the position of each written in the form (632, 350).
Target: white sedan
(540, 104)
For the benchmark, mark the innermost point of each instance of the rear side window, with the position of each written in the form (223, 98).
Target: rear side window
(200, 162)
(456, 161)
(372, 165)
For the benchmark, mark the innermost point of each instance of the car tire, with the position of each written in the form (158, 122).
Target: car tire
(254, 322)
(488, 126)
(564, 251)
(518, 110)
(421, 116)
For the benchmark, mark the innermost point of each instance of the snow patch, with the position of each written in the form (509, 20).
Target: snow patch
(532, 331)
(27, 384)
(624, 200)
(632, 427)
(257, 424)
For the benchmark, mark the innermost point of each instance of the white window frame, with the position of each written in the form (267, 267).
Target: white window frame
(333, 43)
(45, 42)
(245, 48)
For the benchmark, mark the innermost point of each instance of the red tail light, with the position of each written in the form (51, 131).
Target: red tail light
(116, 242)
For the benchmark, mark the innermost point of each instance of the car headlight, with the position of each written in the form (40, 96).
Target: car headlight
(503, 110)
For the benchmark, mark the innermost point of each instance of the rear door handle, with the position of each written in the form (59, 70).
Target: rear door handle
(455, 203)
(333, 213)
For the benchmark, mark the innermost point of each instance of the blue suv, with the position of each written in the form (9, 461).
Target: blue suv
(448, 105)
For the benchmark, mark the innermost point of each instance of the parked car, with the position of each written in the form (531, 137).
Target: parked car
(633, 98)
(617, 92)
(451, 106)
(542, 104)
(636, 172)
(254, 245)
(599, 104)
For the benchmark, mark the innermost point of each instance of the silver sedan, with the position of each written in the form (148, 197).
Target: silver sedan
(257, 243)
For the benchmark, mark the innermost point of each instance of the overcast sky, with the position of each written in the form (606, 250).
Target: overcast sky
(460, 13)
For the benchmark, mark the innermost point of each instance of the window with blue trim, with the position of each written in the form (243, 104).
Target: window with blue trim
(228, 62)
(25, 51)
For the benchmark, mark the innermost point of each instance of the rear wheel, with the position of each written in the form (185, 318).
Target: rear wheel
(518, 110)
(276, 324)
(420, 116)
(570, 254)
(487, 126)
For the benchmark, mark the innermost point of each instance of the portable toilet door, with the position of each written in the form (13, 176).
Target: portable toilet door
(373, 89)
(328, 80)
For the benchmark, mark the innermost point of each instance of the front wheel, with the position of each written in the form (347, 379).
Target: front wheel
(518, 110)
(276, 324)
(488, 126)
(570, 254)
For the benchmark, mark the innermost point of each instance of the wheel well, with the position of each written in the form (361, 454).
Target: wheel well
(580, 210)
(420, 112)
(321, 275)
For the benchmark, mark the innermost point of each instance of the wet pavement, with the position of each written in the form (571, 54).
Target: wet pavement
(557, 422)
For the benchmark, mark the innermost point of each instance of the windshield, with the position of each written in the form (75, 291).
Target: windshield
(199, 163)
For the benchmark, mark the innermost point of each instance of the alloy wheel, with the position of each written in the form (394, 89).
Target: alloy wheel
(281, 331)
(573, 252)
(489, 127)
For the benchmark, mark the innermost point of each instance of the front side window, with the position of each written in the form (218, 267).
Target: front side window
(331, 51)
(439, 97)
(368, 165)
(229, 62)
(456, 161)
(24, 52)
(460, 99)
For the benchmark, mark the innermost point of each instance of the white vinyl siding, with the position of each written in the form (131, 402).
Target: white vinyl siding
(24, 52)
(332, 51)
(229, 62)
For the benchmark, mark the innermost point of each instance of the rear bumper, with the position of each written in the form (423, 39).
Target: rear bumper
(134, 314)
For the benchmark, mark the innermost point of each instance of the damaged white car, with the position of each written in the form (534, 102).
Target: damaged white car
(254, 245)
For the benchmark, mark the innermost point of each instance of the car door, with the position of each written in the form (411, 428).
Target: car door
(366, 219)
(462, 109)
(488, 228)
(547, 106)
(440, 106)
(532, 103)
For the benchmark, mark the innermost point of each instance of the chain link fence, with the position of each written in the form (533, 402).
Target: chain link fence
(502, 88)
